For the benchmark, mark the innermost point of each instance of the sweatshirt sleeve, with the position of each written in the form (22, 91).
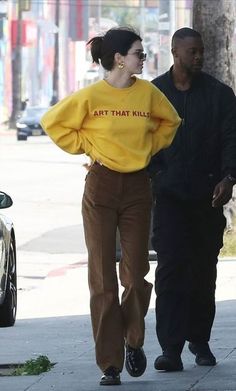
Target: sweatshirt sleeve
(167, 122)
(64, 124)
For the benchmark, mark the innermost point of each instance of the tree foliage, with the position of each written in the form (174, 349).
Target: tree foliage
(123, 15)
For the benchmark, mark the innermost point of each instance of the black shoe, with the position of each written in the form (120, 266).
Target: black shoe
(203, 354)
(111, 377)
(168, 362)
(135, 361)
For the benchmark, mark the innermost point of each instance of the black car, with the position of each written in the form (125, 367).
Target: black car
(28, 123)
(8, 277)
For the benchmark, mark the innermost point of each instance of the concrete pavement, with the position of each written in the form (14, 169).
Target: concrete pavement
(54, 320)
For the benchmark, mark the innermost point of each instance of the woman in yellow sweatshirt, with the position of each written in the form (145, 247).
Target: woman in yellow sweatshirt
(120, 122)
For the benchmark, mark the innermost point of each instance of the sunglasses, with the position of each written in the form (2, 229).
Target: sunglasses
(141, 55)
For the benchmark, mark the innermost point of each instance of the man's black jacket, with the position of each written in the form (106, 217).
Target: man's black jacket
(204, 148)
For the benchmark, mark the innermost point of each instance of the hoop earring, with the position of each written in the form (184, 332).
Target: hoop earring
(121, 65)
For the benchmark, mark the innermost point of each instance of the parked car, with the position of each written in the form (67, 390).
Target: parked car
(8, 277)
(28, 123)
(91, 76)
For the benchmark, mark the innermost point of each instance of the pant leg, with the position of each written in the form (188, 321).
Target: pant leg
(208, 231)
(99, 208)
(134, 227)
(172, 242)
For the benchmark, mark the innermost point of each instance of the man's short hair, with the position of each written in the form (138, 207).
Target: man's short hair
(184, 33)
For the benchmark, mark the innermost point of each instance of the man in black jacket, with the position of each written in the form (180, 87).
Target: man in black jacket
(192, 180)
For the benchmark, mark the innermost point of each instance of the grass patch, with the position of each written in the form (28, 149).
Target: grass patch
(34, 366)
(229, 249)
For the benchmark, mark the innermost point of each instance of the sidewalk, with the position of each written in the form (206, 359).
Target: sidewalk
(67, 340)
(5, 131)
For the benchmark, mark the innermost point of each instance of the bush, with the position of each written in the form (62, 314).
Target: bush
(229, 249)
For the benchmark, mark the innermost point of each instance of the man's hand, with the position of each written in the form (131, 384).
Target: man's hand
(222, 193)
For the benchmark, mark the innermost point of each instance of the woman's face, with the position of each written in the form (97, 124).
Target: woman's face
(134, 59)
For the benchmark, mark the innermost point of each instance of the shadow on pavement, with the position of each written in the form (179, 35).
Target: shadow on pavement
(67, 340)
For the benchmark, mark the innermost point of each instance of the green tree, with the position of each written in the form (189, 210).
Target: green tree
(123, 12)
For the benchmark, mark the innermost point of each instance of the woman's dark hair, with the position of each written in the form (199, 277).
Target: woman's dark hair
(116, 40)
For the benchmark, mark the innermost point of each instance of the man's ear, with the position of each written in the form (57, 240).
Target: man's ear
(174, 52)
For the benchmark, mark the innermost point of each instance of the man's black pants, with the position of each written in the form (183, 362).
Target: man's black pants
(187, 237)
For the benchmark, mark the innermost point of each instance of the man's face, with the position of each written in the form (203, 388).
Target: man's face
(188, 54)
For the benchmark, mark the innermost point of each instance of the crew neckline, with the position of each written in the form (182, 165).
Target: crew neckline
(122, 88)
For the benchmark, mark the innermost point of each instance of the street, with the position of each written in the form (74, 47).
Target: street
(53, 319)
(46, 185)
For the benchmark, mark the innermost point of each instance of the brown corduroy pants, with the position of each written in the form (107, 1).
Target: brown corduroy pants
(114, 200)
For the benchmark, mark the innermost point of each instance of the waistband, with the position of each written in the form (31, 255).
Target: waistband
(99, 164)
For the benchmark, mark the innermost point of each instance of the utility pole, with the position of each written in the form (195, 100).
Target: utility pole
(16, 69)
(55, 94)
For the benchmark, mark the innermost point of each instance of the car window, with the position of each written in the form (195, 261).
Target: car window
(34, 112)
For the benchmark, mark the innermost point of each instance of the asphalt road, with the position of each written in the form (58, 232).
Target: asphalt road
(53, 298)
(46, 185)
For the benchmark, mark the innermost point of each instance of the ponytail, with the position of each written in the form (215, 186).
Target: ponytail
(96, 48)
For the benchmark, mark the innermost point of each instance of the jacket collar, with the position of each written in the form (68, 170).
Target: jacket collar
(195, 82)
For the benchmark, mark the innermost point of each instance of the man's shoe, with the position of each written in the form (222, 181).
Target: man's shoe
(203, 354)
(111, 377)
(168, 362)
(135, 361)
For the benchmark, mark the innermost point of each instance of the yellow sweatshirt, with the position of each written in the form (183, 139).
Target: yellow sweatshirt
(120, 127)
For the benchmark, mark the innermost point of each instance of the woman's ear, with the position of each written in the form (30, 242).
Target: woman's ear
(119, 61)
(118, 58)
